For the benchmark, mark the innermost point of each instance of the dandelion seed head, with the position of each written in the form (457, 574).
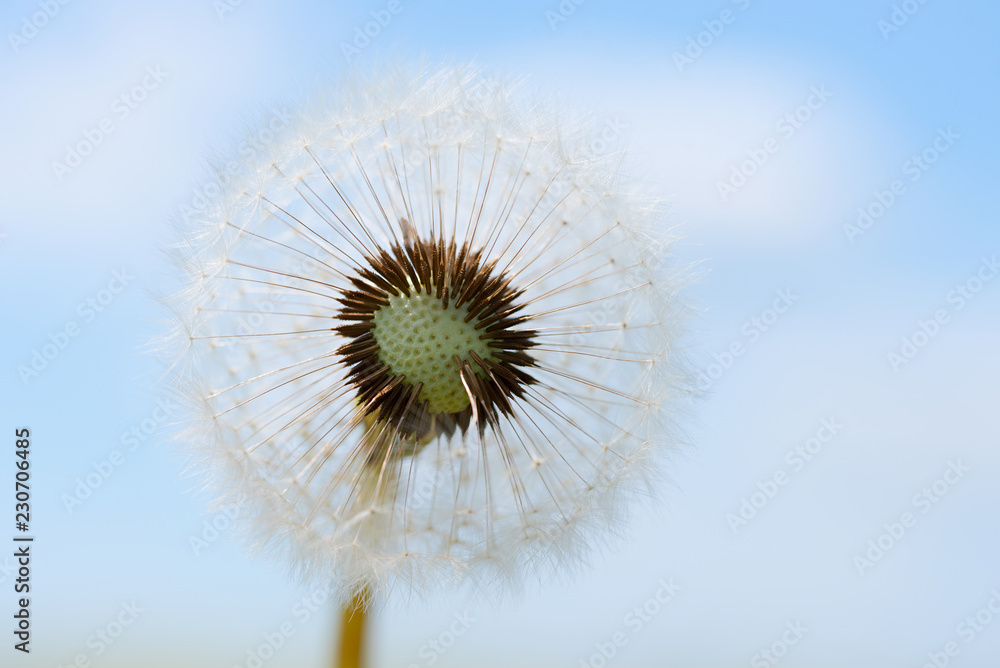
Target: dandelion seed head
(426, 336)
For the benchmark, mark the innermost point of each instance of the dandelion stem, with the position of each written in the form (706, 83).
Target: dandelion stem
(354, 616)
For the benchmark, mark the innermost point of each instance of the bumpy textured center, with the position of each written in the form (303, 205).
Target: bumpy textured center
(419, 338)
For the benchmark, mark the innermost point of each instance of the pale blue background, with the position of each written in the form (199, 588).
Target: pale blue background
(827, 356)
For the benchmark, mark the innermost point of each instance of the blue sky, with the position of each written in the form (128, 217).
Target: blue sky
(887, 96)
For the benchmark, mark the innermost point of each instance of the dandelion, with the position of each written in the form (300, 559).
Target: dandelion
(427, 335)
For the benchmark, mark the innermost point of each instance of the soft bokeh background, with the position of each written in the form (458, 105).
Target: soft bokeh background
(689, 124)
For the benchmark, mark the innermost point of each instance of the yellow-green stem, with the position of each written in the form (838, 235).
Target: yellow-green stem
(352, 638)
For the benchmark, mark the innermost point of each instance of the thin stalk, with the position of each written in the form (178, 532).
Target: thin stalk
(352, 638)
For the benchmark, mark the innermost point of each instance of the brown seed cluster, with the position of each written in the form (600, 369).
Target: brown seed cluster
(457, 276)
